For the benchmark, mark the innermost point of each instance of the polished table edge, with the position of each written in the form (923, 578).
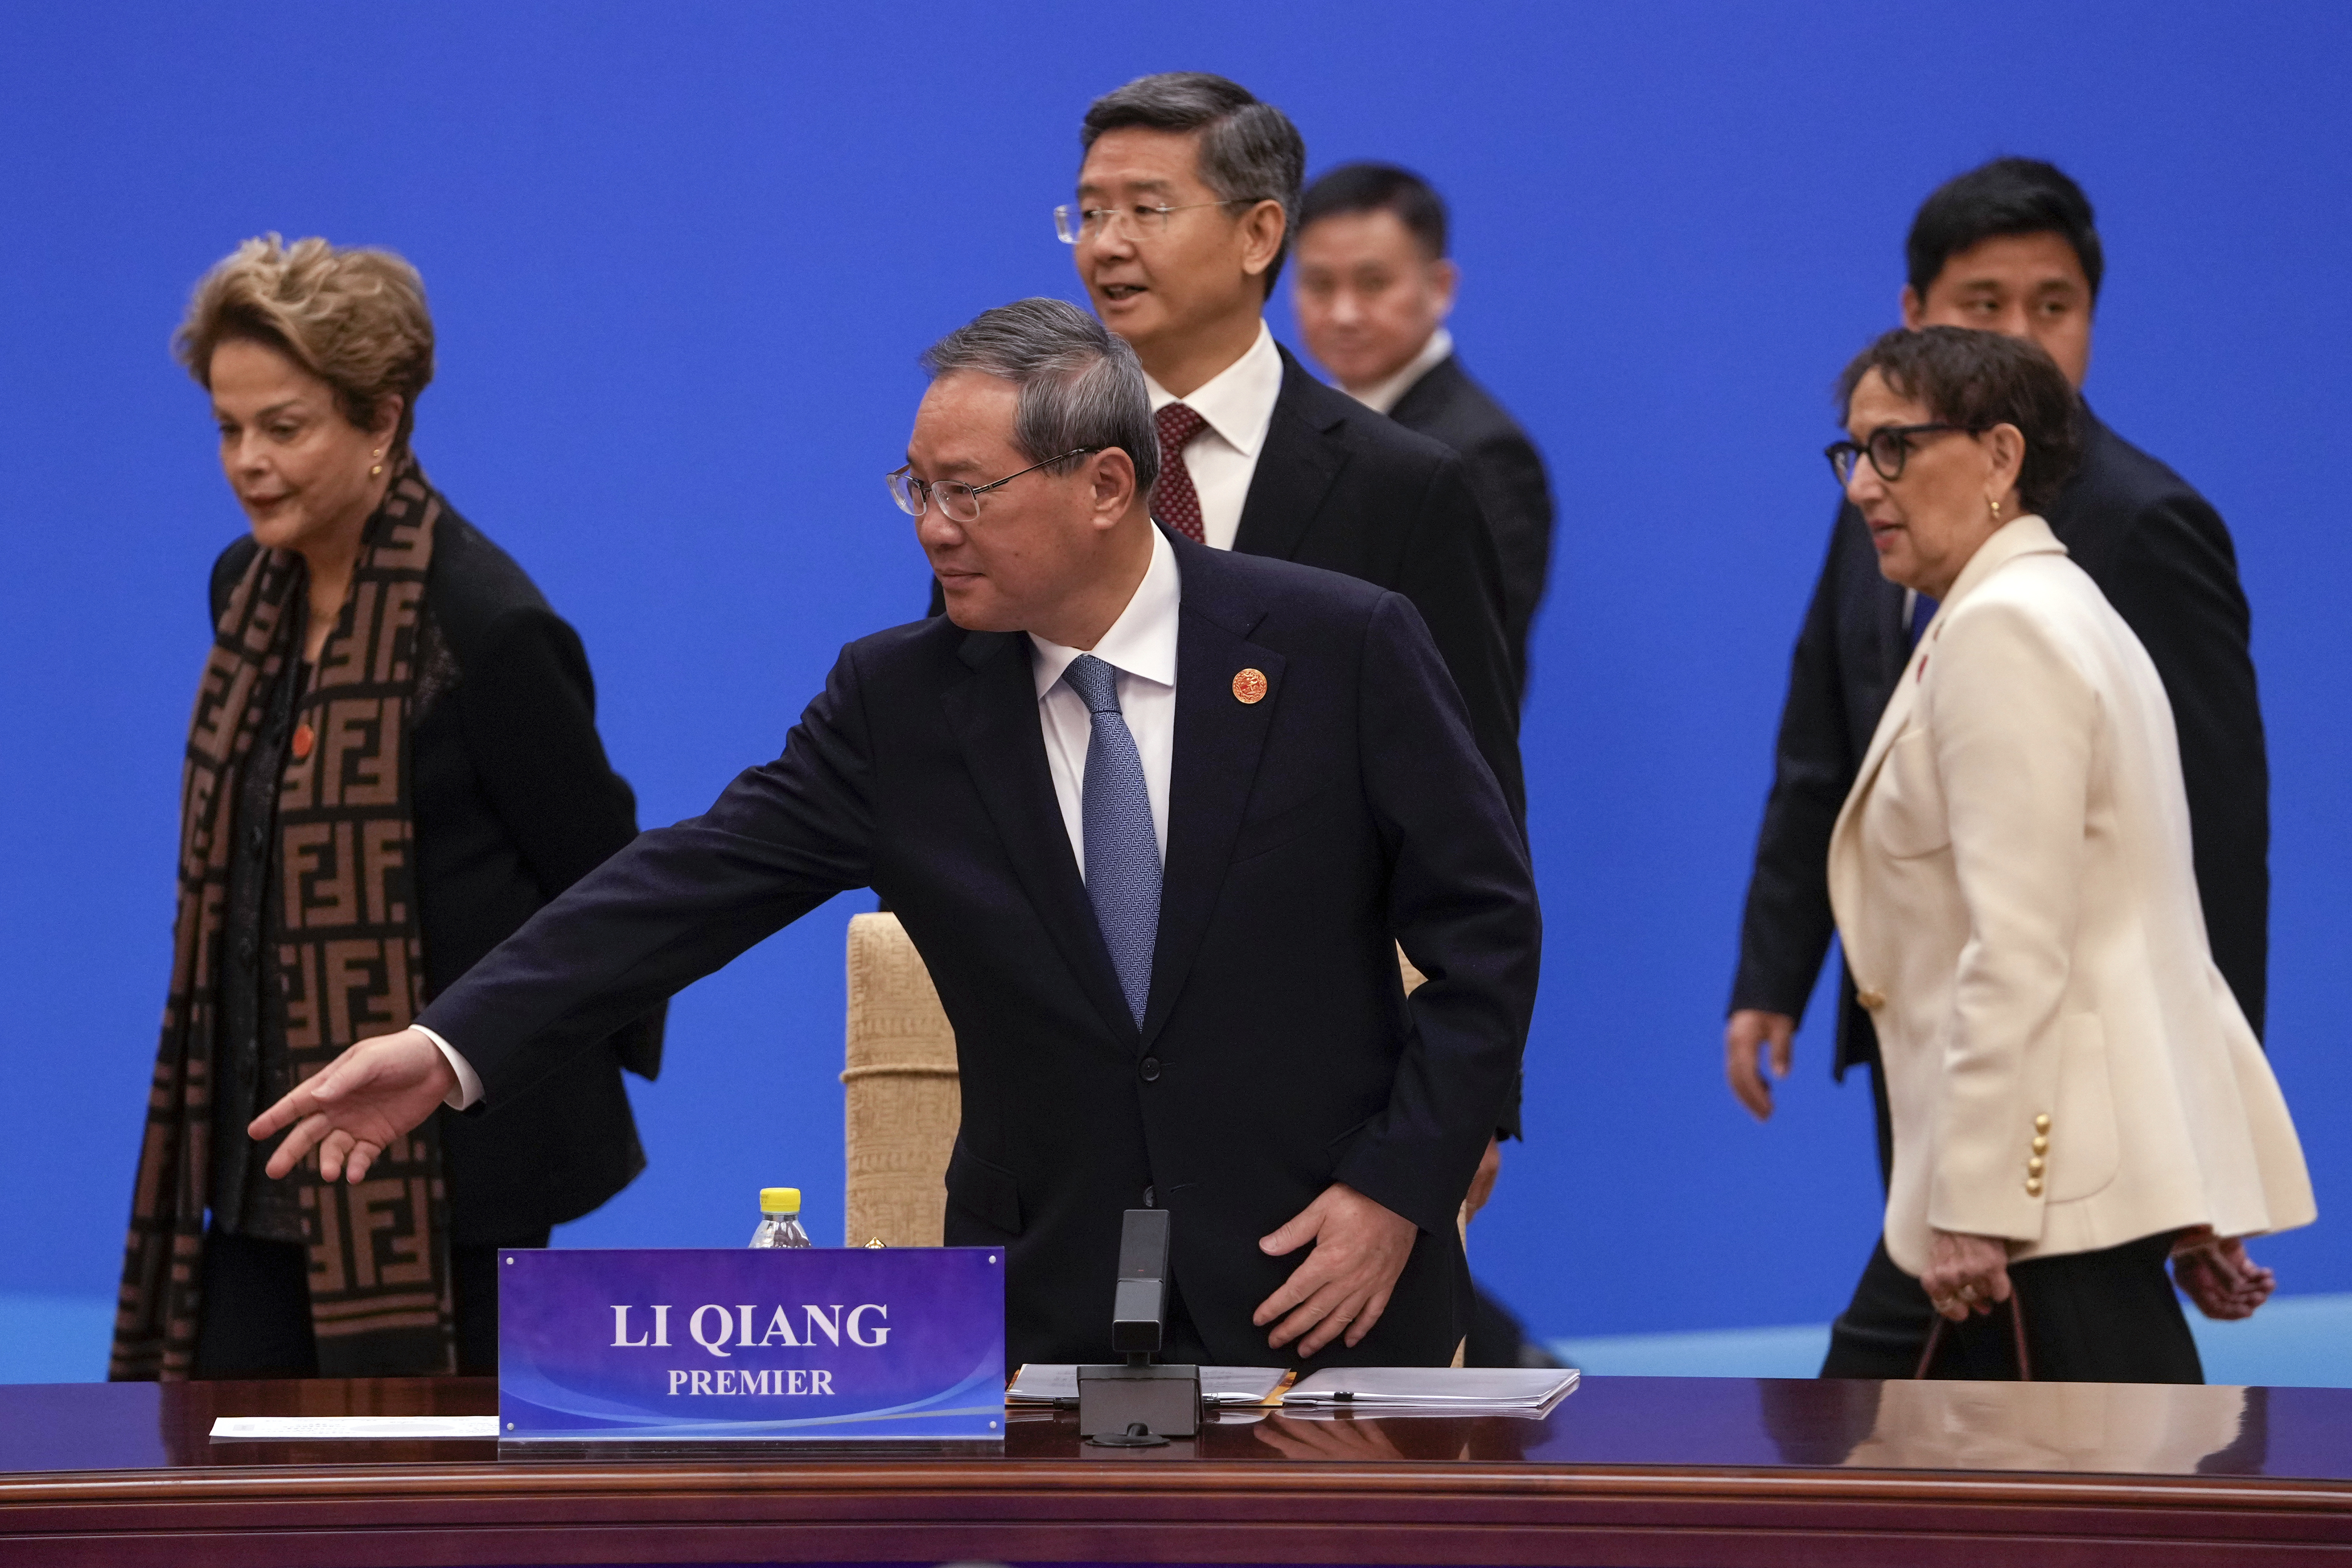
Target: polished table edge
(1191, 1512)
(1030, 1477)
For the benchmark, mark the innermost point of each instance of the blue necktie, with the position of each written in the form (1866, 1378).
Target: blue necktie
(1122, 852)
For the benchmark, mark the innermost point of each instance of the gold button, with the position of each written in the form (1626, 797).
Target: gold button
(2042, 1123)
(2040, 1144)
(2032, 1187)
(1872, 1000)
(2034, 1166)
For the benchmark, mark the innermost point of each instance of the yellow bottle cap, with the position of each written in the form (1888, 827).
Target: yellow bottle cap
(780, 1200)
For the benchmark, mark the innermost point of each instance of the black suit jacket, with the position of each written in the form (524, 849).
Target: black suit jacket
(2163, 558)
(1342, 487)
(1507, 474)
(514, 802)
(1277, 1053)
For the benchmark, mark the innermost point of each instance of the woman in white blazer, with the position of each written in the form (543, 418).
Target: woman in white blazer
(2073, 1091)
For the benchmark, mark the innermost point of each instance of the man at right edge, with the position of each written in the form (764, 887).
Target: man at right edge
(2007, 247)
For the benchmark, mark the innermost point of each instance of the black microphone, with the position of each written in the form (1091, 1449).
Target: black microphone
(1139, 1404)
(1138, 1309)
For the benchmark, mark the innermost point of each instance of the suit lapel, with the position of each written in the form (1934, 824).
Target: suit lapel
(1219, 739)
(1296, 465)
(994, 717)
(2026, 536)
(1427, 397)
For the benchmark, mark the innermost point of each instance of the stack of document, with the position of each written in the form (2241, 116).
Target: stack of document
(1042, 1383)
(1433, 1390)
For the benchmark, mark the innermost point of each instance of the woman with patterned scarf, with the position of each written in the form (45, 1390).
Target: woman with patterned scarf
(393, 762)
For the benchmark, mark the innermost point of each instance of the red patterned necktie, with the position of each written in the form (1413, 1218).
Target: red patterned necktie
(1174, 502)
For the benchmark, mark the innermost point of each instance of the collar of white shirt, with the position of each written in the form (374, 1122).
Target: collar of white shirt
(1141, 642)
(1238, 401)
(1383, 396)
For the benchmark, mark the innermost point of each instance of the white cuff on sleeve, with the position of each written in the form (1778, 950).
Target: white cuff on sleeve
(469, 1085)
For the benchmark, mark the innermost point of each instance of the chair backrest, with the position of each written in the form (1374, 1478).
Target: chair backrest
(901, 1091)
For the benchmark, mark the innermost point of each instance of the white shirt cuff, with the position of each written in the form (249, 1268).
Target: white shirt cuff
(469, 1085)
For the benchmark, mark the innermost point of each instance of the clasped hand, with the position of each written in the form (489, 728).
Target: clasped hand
(1360, 1247)
(352, 1110)
(1965, 1274)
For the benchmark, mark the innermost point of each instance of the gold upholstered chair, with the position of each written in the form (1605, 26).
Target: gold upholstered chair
(899, 1084)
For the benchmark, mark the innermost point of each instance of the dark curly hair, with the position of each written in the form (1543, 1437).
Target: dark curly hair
(1977, 380)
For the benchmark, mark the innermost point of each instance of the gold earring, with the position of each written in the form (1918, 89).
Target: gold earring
(1996, 511)
(379, 468)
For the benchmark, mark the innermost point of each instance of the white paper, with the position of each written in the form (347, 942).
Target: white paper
(286, 1428)
(1433, 1387)
(1048, 1383)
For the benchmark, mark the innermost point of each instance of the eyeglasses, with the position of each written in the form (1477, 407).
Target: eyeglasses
(1075, 223)
(1889, 448)
(958, 502)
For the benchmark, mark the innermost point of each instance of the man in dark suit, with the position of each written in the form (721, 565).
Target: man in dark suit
(2009, 247)
(1156, 817)
(1373, 289)
(1187, 201)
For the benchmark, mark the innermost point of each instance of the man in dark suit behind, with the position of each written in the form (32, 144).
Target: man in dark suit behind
(1157, 817)
(2009, 247)
(1187, 203)
(1373, 289)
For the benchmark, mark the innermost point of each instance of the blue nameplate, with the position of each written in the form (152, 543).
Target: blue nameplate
(826, 1344)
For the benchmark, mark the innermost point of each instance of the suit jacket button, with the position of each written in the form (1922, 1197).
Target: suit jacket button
(2032, 1187)
(1872, 1000)
(1150, 1070)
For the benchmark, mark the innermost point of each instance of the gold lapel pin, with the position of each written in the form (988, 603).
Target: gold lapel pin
(1249, 685)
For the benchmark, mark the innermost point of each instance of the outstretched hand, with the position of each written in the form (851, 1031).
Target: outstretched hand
(353, 1109)
(1360, 1247)
(2215, 1273)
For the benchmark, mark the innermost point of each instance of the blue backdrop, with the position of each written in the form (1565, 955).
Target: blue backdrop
(682, 259)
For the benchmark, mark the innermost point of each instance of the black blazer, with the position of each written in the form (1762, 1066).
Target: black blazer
(1342, 487)
(1277, 1053)
(2163, 558)
(514, 803)
(1507, 474)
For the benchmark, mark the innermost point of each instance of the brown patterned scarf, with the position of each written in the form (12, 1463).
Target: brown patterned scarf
(346, 961)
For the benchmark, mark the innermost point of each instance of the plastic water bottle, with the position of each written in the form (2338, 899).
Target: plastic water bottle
(780, 1218)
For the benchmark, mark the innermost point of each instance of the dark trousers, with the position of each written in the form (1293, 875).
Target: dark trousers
(256, 1308)
(2108, 1316)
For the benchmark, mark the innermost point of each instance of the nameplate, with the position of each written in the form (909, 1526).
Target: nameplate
(823, 1344)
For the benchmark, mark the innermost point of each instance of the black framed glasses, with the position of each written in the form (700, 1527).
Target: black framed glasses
(958, 501)
(1074, 224)
(1889, 448)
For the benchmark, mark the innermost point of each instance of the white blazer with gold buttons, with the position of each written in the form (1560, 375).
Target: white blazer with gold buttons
(2065, 1067)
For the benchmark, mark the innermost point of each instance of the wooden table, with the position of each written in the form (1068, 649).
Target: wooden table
(1626, 1470)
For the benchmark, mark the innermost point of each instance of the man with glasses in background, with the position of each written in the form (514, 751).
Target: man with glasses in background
(1158, 819)
(2007, 247)
(1187, 203)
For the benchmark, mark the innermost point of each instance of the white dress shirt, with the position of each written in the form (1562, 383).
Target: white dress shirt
(1142, 647)
(1385, 394)
(1238, 404)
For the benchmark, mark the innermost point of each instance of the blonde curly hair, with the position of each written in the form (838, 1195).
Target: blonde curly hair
(353, 317)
